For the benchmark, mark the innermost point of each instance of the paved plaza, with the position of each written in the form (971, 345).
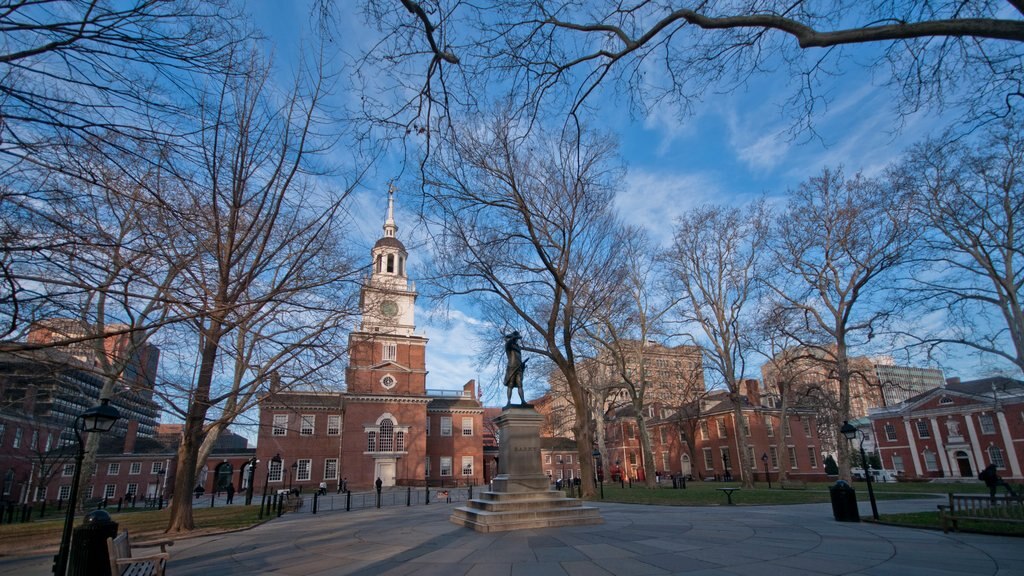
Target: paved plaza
(633, 541)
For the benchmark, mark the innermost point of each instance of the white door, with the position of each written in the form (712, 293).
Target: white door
(685, 465)
(386, 473)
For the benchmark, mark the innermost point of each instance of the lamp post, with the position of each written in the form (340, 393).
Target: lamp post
(764, 458)
(291, 477)
(275, 460)
(252, 474)
(599, 471)
(561, 471)
(850, 432)
(96, 419)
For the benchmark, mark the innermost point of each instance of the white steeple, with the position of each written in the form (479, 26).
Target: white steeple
(389, 298)
(390, 228)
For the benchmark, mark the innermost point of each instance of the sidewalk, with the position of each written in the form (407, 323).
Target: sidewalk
(633, 541)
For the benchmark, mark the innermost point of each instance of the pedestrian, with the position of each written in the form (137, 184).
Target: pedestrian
(231, 492)
(993, 481)
(323, 488)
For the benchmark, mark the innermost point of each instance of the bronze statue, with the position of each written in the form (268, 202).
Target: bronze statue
(515, 368)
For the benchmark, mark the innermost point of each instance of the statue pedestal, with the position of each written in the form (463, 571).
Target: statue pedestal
(521, 496)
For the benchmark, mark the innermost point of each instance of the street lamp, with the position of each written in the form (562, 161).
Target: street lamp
(599, 471)
(764, 458)
(291, 478)
(252, 474)
(275, 460)
(96, 419)
(850, 432)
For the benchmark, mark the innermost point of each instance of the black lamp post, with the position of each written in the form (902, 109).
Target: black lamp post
(599, 471)
(275, 460)
(764, 458)
(850, 432)
(96, 419)
(162, 481)
(252, 474)
(291, 478)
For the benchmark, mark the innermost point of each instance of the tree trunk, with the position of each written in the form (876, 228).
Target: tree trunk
(584, 442)
(191, 438)
(650, 471)
(746, 478)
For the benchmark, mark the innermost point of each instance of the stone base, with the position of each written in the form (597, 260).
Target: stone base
(504, 511)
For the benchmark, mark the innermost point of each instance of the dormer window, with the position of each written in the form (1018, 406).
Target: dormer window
(945, 400)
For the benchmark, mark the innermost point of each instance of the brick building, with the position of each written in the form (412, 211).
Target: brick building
(700, 439)
(386, 424)
(43, 391)
(954, 431)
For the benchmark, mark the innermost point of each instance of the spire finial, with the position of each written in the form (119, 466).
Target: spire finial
(390, 228)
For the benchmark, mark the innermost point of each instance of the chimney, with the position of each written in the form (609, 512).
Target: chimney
(129, 436)
(753, 391)
(469, 389)
(954, 380)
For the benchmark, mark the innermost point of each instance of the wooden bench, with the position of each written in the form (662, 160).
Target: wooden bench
(794, 485)
(978, 507)
(122, 563)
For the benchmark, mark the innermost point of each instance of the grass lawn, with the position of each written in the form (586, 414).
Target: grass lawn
(707, 493)
(44, 535)
(931, 520)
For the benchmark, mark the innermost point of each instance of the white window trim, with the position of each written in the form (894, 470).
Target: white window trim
(307, 425)
(280, 425)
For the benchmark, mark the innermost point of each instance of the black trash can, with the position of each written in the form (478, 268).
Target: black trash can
(89, 555)
(844, 502)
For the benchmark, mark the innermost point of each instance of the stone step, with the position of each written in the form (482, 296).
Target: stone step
(512, 496)
(521, 505)
(487, 521)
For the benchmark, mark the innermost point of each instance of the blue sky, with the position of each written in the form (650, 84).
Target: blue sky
(734, 147)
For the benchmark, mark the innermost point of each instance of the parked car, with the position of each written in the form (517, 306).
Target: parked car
(876, 475)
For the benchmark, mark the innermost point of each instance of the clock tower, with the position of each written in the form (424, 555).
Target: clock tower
(386, 357)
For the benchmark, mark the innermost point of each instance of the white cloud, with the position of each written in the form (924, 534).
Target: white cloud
(653, 199)
(451, 351)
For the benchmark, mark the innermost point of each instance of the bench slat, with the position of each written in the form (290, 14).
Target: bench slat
(975, 507)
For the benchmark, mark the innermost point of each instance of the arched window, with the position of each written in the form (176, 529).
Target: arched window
(401, 266)
(387, 436)
(391, 263)
(995, 456)
(380, 263)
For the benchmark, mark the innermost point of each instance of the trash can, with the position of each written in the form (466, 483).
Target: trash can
(844, 502)
(89, 545)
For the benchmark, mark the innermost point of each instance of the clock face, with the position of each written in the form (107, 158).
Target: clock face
(389, 308)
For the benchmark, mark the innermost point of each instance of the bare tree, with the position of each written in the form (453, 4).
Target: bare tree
(716, 258)
(835, 246)
(525, 227)
(972, 197)
(264, 289)
(71, 70)
(623, 335)
(932, 54)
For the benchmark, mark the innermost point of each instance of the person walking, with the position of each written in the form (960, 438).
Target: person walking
(231, 493)
(993, 481)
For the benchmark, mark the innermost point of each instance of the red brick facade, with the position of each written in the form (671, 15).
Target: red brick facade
(954, 431)
(386, 424)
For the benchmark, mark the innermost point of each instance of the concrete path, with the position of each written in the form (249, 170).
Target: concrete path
(633, 541)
